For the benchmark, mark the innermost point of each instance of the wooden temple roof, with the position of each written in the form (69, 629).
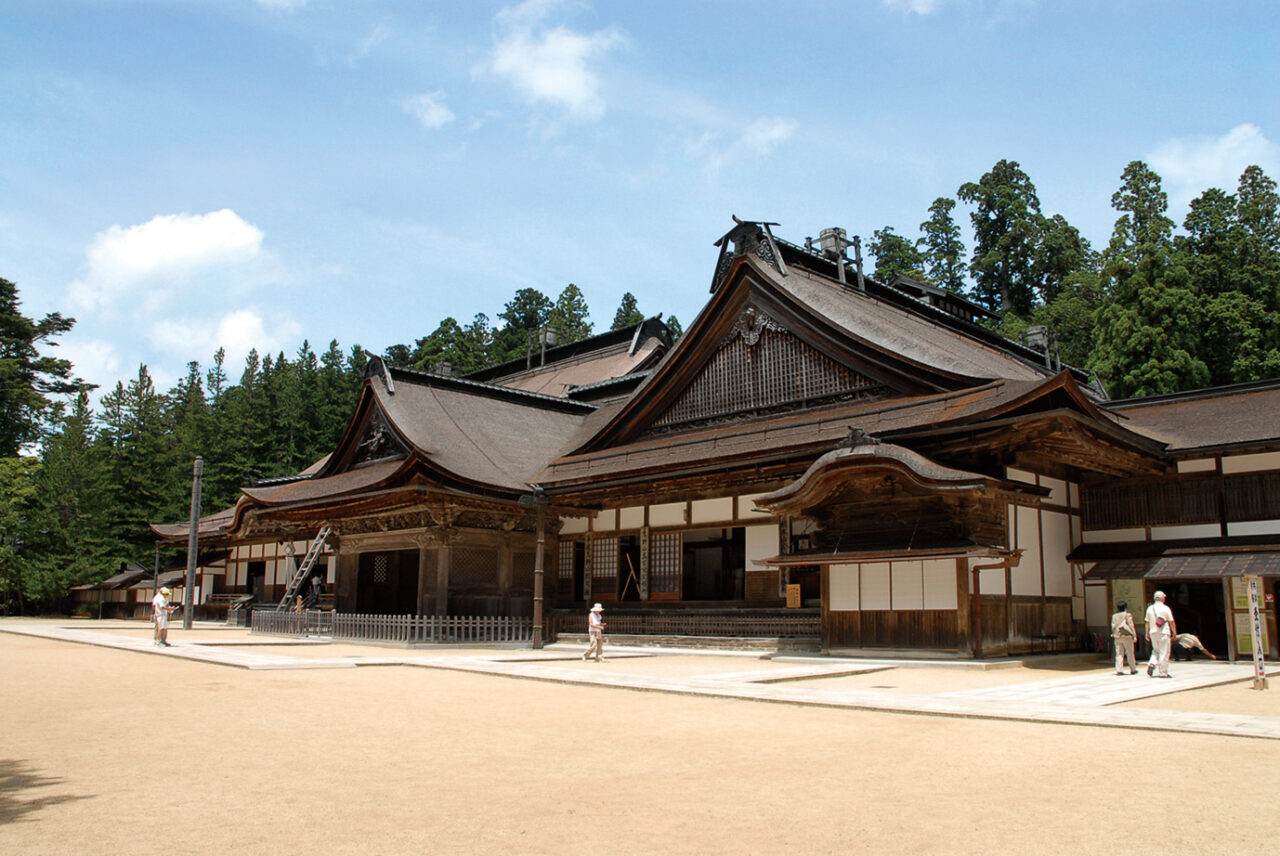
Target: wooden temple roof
(1242, 415)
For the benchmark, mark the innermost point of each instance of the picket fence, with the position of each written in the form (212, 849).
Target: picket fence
(406, 629)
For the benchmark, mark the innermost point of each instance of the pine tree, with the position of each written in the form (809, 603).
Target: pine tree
(944, 249)
(27, 379)
(628, 314)
(1147, 334)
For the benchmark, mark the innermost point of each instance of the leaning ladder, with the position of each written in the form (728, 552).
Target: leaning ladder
(304, 570)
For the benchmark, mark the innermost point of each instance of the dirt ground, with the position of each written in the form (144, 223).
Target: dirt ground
(106, 752)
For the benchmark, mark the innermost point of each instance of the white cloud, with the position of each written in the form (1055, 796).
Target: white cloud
(286, 5)
(168, 245)
(377, 36)
(554, 65)
(237, 331)
(1188, 166)
(756, 142)
(429, 109)
(94, 360)
(918, 7)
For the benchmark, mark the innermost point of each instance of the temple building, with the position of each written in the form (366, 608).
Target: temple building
(822, 458)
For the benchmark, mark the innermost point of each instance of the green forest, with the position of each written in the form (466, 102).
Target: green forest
(1161, 308)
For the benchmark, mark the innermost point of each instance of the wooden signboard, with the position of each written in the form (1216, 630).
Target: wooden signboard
(793, 596)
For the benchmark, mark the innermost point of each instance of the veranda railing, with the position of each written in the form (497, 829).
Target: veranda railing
(405, 629)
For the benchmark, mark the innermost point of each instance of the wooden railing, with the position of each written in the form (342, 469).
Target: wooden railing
(742, 623)
(404, 629)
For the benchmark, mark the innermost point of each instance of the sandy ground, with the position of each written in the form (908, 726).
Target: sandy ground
(106, 752)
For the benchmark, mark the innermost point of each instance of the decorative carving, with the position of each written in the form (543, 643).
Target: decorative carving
(857, 437)
(751, 324)
(378, 443)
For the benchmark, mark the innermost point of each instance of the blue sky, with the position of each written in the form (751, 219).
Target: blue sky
(183, 175)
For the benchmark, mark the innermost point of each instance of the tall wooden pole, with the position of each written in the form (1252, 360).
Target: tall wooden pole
(193, 545)
(538, 568)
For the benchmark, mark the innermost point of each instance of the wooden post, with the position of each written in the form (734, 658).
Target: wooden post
(1255, 631)
(538, 566)
(193, 544)
(443, 559)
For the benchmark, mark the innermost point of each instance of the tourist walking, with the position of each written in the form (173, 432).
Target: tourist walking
(1161, 628)
(160, 610)
(1125, 634)
(595, 633)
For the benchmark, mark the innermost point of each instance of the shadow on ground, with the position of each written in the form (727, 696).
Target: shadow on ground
(18, 784)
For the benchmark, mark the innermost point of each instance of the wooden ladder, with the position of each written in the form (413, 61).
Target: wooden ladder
(304, 570)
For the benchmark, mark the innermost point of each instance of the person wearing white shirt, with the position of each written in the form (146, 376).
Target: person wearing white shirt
(160, 610)
(595, 634)
(1161, 628)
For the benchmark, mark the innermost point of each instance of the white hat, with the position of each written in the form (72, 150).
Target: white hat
(166, 590)
(1159, 595)
(597, 608)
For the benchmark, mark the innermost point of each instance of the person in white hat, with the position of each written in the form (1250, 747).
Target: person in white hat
(1161, 628)
(595, 633)
(160, 610)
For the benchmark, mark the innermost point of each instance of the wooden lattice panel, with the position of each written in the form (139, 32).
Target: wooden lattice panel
(664, 562)
(522, 568)
(473, 566)
(566, 560)
(604, 558)
(777, 372)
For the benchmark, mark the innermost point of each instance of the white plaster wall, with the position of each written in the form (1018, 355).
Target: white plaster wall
(631, 518)
(573, 525)
(908, 585)
(1168, 533)
(990, 581)
(1058, 488)
(875, 586)
(747, 507)
(1073, 495)
(761, 543)
(1057, 544)
(1097, 613)
(605, 521)
(1199, 465)
(712, 510)
(1108, 536)
(939, 583)
(1251, 463)
(668, 514)
(1019, 475)
(1025, 578)
(1254, 527)
(842, 593)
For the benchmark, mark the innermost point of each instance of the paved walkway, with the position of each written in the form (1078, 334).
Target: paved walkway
(1086, 699)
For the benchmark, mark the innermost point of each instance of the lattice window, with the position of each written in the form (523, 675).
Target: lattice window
(664, 562)
(1253, 496)
(1167, 502)
(604, 558)
(566, 559)
(380, 569)
(473, 566)
(522, 567)
(779, 372)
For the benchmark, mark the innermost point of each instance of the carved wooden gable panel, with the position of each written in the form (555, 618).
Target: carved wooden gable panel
(378, 442)
(761, 367)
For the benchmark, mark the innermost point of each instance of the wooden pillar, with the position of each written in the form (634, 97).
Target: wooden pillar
(969, 611)
(344, 582)
(644, 561)
(423, 564)
(443, 560)
(1008, 611)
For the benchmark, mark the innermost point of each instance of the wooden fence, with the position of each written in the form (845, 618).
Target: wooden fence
(404, 629)
(741, 623)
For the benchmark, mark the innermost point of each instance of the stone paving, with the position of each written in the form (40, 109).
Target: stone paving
(1079, 699)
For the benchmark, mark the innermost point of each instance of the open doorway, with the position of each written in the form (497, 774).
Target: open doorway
(629, 568)
(1199, 608)
(714, 564)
